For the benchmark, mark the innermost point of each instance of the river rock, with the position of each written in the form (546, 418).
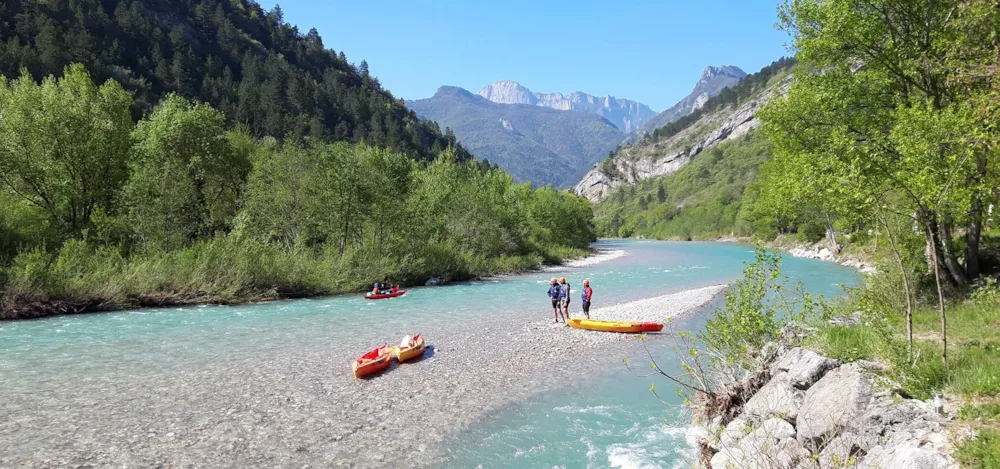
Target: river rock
(803, 367)
(832, 404)
(774, 428)
(433, 282)
(776, 398)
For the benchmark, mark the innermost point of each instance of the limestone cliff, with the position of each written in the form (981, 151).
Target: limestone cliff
(648, 158)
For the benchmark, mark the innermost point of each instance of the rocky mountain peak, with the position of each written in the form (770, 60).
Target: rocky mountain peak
(730, 71)
(508, 92)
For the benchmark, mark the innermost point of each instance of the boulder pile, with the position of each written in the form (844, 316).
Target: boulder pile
(816, 413)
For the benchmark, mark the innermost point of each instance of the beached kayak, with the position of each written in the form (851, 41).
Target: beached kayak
(372, 361)
(382, 296)
(414, 349)
(615, 326)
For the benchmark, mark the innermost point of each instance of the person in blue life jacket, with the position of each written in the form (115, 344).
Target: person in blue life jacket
(564, 296)
(587, 294)
(554, 292)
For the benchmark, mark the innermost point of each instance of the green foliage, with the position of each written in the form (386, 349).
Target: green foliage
(985, 412)
(756, 308)
(64, 145)
(186, 178)
(981, 451)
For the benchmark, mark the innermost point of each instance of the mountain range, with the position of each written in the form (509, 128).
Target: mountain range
(625, 114)
(533, 143)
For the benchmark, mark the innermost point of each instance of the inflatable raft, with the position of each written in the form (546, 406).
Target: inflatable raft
(615, 326)
(372, 361)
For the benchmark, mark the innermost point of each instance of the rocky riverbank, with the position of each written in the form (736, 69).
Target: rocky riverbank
(814, 412)
(298, 406)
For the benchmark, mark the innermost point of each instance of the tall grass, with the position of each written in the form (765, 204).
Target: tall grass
(229, 269)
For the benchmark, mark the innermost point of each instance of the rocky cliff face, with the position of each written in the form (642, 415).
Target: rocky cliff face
(712, 81)
(625, 114)
(642, 160)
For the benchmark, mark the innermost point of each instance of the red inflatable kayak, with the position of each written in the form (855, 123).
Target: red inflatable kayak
(372, 361)
(382, 296)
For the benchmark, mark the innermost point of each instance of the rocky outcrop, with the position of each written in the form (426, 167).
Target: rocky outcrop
(646, 160)
(712, 81)
(820, 252)
(625, 114)
(817, 413)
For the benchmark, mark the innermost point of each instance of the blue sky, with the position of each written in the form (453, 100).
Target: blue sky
(652, 52)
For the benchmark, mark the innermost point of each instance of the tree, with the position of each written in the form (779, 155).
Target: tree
(187, 176)
(64, 144)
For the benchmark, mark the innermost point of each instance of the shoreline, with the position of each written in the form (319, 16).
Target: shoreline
(47, 309)
(303, 407)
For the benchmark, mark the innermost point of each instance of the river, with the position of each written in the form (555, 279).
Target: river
(270, 384)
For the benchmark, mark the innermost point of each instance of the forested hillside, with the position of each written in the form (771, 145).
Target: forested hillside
(246, 62)
(207, 190)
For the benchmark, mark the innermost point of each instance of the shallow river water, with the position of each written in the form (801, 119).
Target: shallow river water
(605, 417)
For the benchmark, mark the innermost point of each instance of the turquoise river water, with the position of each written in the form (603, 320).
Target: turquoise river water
(605, 419)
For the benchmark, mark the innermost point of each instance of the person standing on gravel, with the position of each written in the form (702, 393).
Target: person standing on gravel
(587, 293)
(564, 298)
(554, 295)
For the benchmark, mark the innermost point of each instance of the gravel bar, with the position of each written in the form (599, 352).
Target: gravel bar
(303, 408)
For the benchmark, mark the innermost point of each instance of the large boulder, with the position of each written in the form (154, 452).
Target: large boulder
(776, 398)
(836, 401)
(803, 367)
(907, 457)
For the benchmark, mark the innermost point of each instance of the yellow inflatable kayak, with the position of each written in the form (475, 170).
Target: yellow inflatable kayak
(414, 349)
(615, 326)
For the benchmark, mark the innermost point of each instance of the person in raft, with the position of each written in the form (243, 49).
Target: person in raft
(587, 293)
(554, 291)
(564, 297)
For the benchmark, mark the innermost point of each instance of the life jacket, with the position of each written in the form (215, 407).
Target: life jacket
(564, 291)
(586, 294)
(555, 291)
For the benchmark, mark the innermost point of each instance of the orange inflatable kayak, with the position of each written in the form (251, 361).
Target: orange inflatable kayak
(615, 326)
(372, 361)
(412, 350)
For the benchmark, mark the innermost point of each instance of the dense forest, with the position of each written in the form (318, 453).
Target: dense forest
(120, 187)
(246, 62)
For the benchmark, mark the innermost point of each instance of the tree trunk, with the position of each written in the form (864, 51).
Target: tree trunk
(940, 294)
(832, 233)
(972, 234)
(955, 269)
(906, 289)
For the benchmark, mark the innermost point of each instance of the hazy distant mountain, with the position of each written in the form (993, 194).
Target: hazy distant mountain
(713, 80)
(625, 114)
(532, 143)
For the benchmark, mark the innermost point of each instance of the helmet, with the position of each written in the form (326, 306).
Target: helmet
(555, 280)
(586, 283)
(562, 279)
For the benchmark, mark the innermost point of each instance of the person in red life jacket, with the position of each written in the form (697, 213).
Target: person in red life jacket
(564, 296)
(554, 291)
(587, 293)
